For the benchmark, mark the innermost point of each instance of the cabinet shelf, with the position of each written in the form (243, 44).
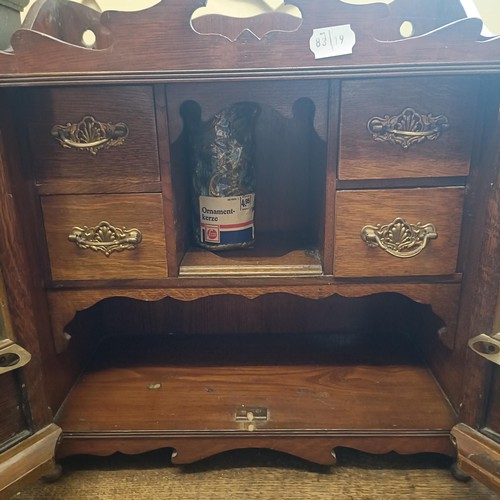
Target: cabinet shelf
(270, 256)
(308, 385)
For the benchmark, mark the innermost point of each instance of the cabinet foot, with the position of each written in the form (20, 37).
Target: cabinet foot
(457, 473)
(54, 474)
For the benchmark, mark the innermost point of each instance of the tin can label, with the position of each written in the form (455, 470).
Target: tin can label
(227, 220)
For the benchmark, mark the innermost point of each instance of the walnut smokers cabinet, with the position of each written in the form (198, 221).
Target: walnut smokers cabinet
(364, 312)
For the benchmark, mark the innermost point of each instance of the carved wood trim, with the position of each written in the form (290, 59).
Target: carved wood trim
(64, 304)
(166, 47)
(317, 449)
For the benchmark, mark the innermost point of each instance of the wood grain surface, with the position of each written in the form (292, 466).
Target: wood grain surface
(143, 212)
(126, 167)
(478, 455)
(170, 48)
(27, 461)
(12, 418)
(362, 157)
(370, 354)
(441, 207)
(310, 385)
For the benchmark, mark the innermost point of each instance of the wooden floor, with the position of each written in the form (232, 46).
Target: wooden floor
(259, 474)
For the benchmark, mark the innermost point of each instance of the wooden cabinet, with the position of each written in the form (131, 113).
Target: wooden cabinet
(376, 231)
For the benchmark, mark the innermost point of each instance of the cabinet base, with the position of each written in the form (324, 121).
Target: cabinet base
(319, 450)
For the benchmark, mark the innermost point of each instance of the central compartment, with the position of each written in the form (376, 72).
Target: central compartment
(289, 159)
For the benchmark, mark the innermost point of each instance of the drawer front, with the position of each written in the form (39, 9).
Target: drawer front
(407, 127)
(398, 232)
(86, 138)
(95, 237)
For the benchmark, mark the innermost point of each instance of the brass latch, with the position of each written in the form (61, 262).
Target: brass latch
(250, 415)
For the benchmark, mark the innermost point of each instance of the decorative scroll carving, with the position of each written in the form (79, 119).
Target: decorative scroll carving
(399, 238)
(229, 18)
(105, 238)
(407, 128)
(90, 135)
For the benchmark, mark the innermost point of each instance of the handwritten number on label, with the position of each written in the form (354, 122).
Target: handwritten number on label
(323, 40)
(332, 41)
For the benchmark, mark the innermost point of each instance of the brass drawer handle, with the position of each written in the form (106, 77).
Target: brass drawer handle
(487, 346)
(407, 128)
(399, 238)
(90, 135)
(105, 238)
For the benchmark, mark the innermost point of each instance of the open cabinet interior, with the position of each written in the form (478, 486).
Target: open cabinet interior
(276, 364)
(220, 237)
(337, 320)
(288, 149)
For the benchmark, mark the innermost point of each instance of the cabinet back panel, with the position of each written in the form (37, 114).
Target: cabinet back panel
(290, 147)
(273, 313)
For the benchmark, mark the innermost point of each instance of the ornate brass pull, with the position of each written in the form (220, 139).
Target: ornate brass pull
(105, 238)
(90, 135)
(399, 238)
(407, 128)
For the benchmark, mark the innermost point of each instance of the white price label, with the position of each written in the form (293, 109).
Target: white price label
(332, 41)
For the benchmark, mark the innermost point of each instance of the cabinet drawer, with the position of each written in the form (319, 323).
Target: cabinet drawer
(97, 139)
(398, 232)
(98, 237)
(407, 127)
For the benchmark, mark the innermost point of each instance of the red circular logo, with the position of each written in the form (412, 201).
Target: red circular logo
(212, 234)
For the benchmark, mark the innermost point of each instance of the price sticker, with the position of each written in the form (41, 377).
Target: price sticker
(332, 41)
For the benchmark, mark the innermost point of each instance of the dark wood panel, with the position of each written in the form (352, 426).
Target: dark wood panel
(172, 212)
(481, 299)
(493, 411)
(363, 157)
(21, 261)
(272, 313)
(12, 419)
(441, 207)
(138, 211)
(134, 162)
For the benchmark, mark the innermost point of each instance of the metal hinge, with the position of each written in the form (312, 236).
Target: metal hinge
(487, 346)
(13, 357)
